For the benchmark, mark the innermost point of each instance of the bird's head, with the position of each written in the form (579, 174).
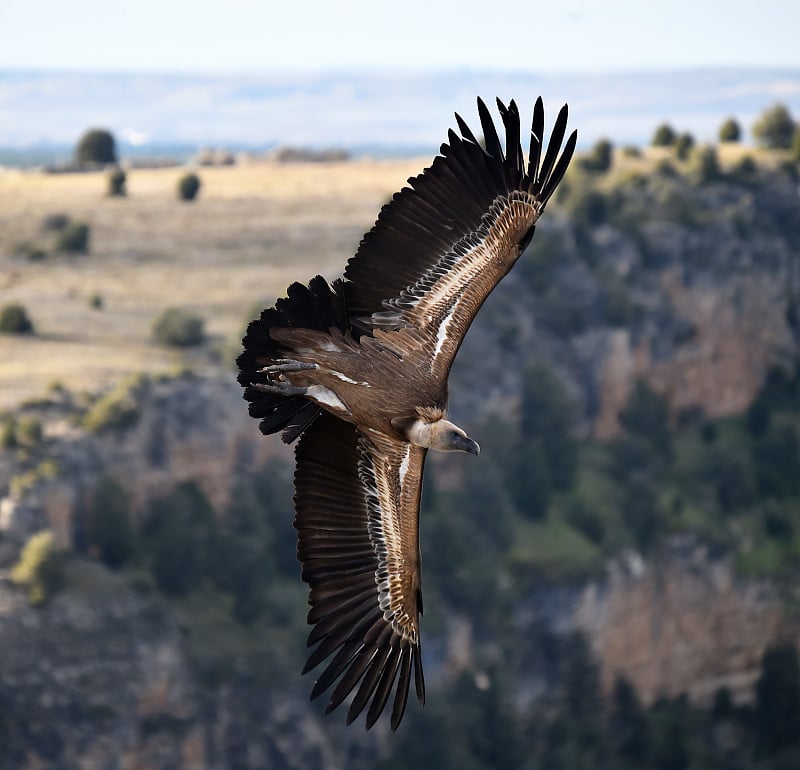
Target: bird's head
(441, 434)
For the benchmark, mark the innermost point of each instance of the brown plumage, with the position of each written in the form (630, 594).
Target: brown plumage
(358, 369)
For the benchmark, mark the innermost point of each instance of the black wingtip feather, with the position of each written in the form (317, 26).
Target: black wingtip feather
(493, 146)
(315, 306)
(553, 147)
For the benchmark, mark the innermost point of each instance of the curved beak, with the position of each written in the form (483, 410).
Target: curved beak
(466, 444)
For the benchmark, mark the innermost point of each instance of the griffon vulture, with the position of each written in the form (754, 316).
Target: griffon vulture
(358, 370)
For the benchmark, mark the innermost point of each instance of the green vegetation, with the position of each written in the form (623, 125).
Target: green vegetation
(54, 223)
(96, 146)
(28, 431)
(30, 250)
(176, 327)
(774, 128)
(74, 238)
(704, 165)
(116, 183)
(14, 319)
(39, 568)
(730, 131)
(188, 187)
(664, 136)
(683, 146)
(106, 529)
(475, 723)
(600, 157)
(118, 409)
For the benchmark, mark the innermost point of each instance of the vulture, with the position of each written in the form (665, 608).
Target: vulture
(357, 369)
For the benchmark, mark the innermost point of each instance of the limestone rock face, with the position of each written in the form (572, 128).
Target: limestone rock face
(183, 429)
(681, 623)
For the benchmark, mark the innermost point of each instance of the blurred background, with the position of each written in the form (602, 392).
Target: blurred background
(613, 584)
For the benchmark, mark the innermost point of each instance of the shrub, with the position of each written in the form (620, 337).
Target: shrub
(53, 223)
(29, 250)
(178, 328)
(28, 431)
(795, 149)
(704, 165)
(730, 131)
(188, 187)
(664, 136)
(181, 539)
(117, 410)
(590, 207)
(96, 146)
(777, 708)
(8, 434)
(774, 128)
(14, 319)
(646, 416)
(600, 158)
(683, 144)
(39, 568)
(96, 301)
(107, 524)
(116, 183)
(74, 238)
(744, 170)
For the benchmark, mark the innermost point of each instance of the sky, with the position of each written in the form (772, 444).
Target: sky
(250, 36)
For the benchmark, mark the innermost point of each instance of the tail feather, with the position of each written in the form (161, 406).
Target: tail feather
(316, 306)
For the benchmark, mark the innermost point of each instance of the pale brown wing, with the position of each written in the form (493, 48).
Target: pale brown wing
(357, 517)
(443, 243)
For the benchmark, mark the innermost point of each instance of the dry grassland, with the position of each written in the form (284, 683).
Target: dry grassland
(252, 230)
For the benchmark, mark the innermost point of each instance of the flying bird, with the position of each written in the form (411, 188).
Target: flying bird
(358, 370)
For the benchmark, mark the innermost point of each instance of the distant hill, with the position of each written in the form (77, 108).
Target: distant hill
(382, 113)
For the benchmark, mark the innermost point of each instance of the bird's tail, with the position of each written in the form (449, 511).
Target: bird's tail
(317, 306)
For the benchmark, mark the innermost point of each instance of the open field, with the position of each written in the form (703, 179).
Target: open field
(252, 230)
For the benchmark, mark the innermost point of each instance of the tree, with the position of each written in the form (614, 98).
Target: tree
(704, 165)
(188, 187)
(777, 713)
(545, 455)
(179, 328)
(116, 183)
(796, 145)
(14, 319)
(646, 416)
(628, 725)
(730, 131)
(664, 136)
(96, 146)
(39, 568)
(774, 128)
(107, 523)
(74, 238)
(683, 144)
(600, 158)
(181, 539)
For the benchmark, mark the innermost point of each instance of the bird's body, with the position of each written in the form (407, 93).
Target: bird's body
(358, 369)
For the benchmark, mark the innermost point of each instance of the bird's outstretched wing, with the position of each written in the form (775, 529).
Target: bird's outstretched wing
(357, 504)
(444, 242)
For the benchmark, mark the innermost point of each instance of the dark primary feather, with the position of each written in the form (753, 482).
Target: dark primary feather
(448, 201)
(316, 306)
(339, 564)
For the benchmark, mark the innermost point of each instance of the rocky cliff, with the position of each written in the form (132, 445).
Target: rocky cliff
(700, 305)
